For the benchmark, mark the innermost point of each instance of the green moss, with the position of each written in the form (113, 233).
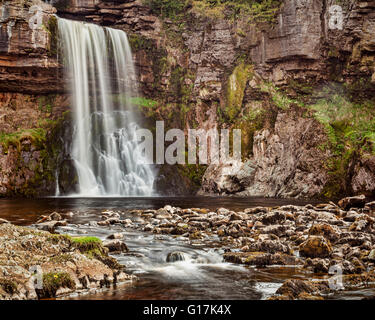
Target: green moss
(36, 136)
(350, 129)
(62, 258)
(52, 29)
(236, 89)
(54, 281)
(263, 11)
(194, 172)
(86, 243)
(171, 9)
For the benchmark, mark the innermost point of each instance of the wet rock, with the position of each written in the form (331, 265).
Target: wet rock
(318, 265)
(261, 258)
(116, 236)
(294, 289)
(324, 229)
(148, 228)
(274, 217)
(3, 221)
(255, 210)
(222, 211)
(278, 230)
(352, 202)
(316, 247)
(115, 246)
(270, 246)
(51, 226)
(176, 256)
(354, 238)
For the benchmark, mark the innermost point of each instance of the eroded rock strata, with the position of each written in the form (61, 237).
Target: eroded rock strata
(301, 90)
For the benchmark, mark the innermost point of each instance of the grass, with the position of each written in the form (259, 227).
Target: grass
(350, 128)
(53, 281)
(37, 137)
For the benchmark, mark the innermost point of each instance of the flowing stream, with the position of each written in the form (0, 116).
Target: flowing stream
(201, 274)
(102, 79)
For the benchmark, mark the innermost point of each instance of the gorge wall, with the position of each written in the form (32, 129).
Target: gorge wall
(301, 91)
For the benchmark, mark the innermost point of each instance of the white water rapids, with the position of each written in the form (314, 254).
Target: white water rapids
(102, 79)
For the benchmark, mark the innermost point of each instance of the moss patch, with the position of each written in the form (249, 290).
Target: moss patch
(236, 89)
(54, 281)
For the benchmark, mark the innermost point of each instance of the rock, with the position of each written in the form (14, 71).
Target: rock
(3, 221)
(316, 247)
(274, 217)
(293, 289)
(148, 227)
(329, 232)
(222, 211)
(318, 265)
(352, 202)
(51, 226)
(261, 258)
(278, 230)
(55, 216)
(270, 246)
(115, 246)
(176, 256)
(116, 236)
(371, 255)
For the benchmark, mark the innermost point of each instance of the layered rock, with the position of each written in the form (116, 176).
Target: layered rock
(214, 72)
(28, 48)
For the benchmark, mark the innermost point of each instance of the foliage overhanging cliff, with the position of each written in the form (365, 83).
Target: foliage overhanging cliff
(302, 92)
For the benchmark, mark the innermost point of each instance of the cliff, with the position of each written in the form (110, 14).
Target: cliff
(298, 83)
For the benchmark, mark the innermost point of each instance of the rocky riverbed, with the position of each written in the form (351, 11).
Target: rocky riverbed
(322, 241)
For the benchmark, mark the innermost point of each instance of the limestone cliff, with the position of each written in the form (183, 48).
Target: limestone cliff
(299, 86)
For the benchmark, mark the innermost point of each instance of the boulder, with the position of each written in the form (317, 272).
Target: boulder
(176, 256)
(316, 247)
(115, 246)
(352, 202)
(116, 236)
(3, 221)
(324, 229)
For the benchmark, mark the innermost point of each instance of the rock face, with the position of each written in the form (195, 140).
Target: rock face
(28, 48)
(210, 72)
(286, 163)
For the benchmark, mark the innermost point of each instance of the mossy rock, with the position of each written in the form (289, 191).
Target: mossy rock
(53, 281)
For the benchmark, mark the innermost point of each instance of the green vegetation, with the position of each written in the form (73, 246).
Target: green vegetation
(55, 280)
(92, 247)
(194, 172)
(84, 244)
(168, 8)
(36, 136)
(350, 128)
(236, 89)
(52, 29)
(254, 11)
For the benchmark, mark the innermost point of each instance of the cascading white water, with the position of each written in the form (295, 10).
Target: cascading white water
(101, 73)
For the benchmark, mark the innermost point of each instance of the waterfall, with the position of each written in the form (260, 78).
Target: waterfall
(101, 74)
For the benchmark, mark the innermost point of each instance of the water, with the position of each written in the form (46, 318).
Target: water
(202, 275)
(101, 74)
